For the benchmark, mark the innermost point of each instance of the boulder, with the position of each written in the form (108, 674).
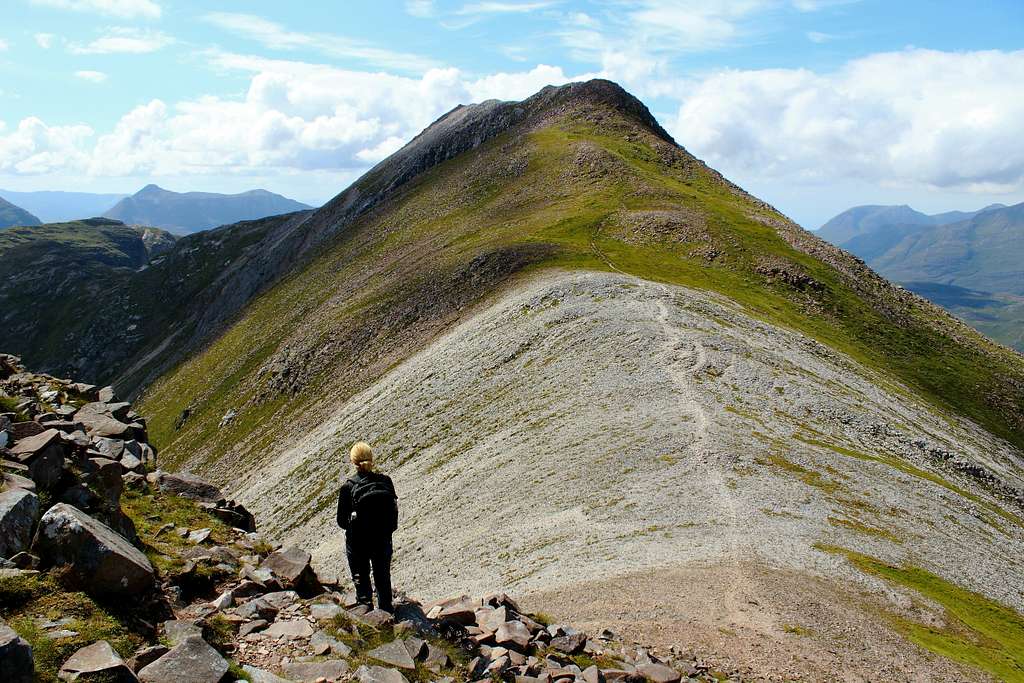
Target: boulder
(571, 644)
(460, 610)
(292, 567)
(19, 511)
(262, 676)
(44, 456)
(187, 485)
(324, 643)
(281, 599)
(257, 609)
(394, 654)
(103, 561)
(513, 634)
(104, 477)
(97, 662)
(309, 672)
(295, 628)
(119, 410)
(24, 430)
(175, 631)
(379, 674)
(98, 422)
(146, 655)
(10, 480)
(16, 661)
(658, 673)
(110, 448)
(106, 395)
(490, 619)
(191, 661)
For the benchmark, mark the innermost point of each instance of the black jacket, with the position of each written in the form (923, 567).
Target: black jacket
(383, 523)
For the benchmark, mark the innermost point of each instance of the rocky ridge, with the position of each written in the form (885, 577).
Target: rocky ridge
(220, 603)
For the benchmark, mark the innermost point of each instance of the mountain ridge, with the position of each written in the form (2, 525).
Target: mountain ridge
(12, 215)
(194, 211)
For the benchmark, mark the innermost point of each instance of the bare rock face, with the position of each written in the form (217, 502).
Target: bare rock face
(102, 560)
(187, 485)
(191, 661)
(19, 510)
(97, 662)
(16, 661)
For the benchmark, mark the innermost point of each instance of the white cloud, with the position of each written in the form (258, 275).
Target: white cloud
(503, 7)
(44, 40)
(819, 37)
(34, 148)
(92, 76)
(276, 36)
(124, 40)
(914, 118)
(4, 45)
(420, 8)
(125, 9)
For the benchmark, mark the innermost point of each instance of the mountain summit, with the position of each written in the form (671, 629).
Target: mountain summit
(193, 211)
(601, 374)
(11, 215)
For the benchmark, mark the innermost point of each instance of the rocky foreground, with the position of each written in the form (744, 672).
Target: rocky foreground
(113, 570)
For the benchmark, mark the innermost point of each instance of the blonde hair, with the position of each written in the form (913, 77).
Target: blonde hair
(361, 456)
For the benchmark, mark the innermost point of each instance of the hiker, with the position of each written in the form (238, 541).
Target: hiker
(368, 512)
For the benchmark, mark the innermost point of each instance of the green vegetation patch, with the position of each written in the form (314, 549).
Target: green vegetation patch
(26, 601)
(978, 631)
(862, 528)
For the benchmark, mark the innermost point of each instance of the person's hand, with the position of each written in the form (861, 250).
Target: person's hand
(352, 517)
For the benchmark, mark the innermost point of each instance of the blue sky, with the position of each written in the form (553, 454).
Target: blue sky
(814, 105)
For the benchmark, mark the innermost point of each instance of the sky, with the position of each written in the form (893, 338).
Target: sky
(812, 105)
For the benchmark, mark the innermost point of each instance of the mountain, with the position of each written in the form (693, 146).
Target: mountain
(15, 215)
(603, 377)
(871, 219)
(967, 262)
(57, 207)
(194, 211)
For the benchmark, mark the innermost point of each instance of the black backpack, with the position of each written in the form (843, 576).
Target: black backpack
(373, 501)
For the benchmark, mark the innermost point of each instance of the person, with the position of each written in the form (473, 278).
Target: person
(368, 512)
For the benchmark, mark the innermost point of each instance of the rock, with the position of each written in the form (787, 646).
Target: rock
(378, 618)
(295, 628)
(119, 410)
(379, 674)
(19, 511)
(129, 463)
(489, 619)
(281, 599)
(322, 643)
(261, 676)
(24, 430)
(104, 477)
(252, 627)
(9, 481)
(309, 672)
(199, 535)
(103, 561)
(658, 673)
(593, 675)
(191, 661)
(133, 480)
(110, 448)
(513, 634)
(177, 630)
(257, 609)
(324, 611)
(292, 567)
(571, 644)
(394, 654)
(106, 395)
(224, 600)
(147, 455)
(187, 485)
(44, 456)
(417, 647)
(436, 657)
(97, 662)
(98, 422)
(146, 655)
(16, 661)
(459, 610)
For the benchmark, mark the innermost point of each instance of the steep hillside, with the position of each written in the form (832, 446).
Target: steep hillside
(186, 212)
(55, 206)
(11, 215)
(732, 394)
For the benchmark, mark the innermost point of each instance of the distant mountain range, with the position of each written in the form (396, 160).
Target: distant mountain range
(971, 263)
(55, 207)
(11, 215)
(187, 212)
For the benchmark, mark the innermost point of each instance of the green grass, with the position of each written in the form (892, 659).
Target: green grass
(23, 600)
(978, 631)
(862, 528)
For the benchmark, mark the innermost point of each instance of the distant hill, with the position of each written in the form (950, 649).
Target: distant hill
(15, 215)
(53, 206)
(969, 262)
(186, 212)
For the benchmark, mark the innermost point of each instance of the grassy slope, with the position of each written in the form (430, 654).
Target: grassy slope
(553, 188)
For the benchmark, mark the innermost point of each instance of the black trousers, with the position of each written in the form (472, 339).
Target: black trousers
(363, 554)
